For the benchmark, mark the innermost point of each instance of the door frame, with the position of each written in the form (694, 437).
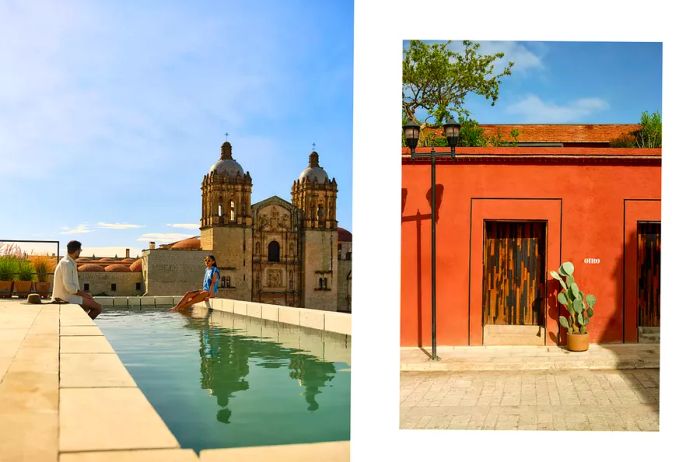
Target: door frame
(634, 210)
(483, 209)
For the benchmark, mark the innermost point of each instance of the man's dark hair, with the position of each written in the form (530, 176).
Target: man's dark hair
(73, 246)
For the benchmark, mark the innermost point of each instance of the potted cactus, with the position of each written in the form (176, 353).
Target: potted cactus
(578, 305)
(25, 272)
(8, 267)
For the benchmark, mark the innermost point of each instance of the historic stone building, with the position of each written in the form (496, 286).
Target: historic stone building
(273, 251)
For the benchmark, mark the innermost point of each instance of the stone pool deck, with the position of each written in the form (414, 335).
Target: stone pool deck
(67, 397)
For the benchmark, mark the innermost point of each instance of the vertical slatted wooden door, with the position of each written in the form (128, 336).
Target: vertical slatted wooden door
(649, 273)
(513, 285)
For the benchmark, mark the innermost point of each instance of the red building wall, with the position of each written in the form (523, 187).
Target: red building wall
(591, 199)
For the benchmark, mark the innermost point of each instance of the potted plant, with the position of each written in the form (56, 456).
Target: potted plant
(42, 266)
(8, 267)
(25, 272)
(579, 307)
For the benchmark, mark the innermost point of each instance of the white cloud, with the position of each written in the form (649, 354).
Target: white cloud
(184, 225)
(117, 225)
(522, 56)
(162, 237)
(533, 110)
(80, 229)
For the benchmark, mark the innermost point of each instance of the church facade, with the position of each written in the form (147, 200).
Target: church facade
(273, 251)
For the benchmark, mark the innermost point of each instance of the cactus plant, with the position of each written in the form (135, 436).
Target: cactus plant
(578, 304)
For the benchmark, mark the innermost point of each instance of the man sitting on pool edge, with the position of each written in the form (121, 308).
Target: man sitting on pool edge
(66, 288)
(210, 287)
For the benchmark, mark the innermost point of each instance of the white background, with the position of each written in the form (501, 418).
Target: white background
(380, 28)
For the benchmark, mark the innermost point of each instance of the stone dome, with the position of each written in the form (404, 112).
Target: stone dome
(117, 268)
(314, 172)
(193, 243)
(226, 165)
(90, 267)
(136, 266)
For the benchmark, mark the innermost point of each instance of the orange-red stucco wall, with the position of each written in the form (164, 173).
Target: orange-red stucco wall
(590, 206)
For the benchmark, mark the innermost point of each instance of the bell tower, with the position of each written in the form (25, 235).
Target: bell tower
(315, 195)
(226, 224)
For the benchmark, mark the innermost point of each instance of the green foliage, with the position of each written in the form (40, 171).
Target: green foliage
(470, 133)
(577, 304)
(649, 135)
(437, 78)
(25, 270)
(8, 267)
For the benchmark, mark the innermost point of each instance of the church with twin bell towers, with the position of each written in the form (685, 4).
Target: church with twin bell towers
(275, 251)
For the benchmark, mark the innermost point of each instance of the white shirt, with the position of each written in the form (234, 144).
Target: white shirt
(65, 280)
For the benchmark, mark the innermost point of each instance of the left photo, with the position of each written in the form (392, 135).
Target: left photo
(176, 247)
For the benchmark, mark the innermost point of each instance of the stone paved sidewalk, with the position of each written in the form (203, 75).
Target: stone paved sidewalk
(532, 400)
(498, 358)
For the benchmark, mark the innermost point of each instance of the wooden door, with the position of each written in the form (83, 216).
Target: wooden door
(649, 273)
(514, 272)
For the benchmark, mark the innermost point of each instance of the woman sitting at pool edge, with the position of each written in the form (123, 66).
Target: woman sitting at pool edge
(210, 287)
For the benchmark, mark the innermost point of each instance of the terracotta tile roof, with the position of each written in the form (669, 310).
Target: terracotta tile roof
(555, 133)
(344, 235)
(562, 133)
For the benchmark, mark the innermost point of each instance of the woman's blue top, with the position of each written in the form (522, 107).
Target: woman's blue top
(208, 275)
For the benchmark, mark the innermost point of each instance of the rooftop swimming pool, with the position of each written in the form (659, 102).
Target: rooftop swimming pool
(221, 380)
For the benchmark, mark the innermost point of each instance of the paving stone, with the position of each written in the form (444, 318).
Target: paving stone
(490, 401)
(116, 418)
(150, 455)
(93, 370)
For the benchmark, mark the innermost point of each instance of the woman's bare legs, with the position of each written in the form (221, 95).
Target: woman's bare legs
(190, 299)
(185, 298)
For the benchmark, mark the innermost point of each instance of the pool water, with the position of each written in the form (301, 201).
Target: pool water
(220, 380)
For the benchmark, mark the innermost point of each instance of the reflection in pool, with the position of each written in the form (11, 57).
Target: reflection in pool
(223, 380)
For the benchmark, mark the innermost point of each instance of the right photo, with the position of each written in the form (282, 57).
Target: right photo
(530, 235)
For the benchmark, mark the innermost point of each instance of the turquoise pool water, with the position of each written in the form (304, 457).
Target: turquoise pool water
(221, 380)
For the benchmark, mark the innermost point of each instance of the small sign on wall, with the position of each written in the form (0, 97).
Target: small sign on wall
(591, 261)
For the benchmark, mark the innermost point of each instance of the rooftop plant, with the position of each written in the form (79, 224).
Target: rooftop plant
(579, 305)
(25, 270)
(8, 267)
(43, 265)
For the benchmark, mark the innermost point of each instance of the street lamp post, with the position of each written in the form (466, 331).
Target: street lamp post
(411, 131)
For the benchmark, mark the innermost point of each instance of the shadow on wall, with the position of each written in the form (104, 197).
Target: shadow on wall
(418, 218)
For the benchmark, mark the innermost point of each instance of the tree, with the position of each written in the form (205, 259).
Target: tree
(649, 135)
(438, 79)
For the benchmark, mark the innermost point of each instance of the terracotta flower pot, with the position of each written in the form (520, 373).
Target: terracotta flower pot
(5, 289)
(577, 342)
(43, 288)
(22, 288)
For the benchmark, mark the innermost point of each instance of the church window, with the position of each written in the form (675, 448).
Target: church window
(273, 251)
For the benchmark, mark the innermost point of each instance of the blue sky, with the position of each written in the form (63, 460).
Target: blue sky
(572, 82)
(113, 111)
